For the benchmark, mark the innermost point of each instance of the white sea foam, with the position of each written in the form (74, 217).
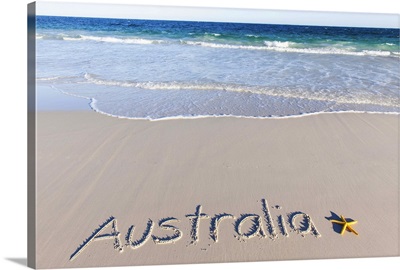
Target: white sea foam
(93, 105)
(261, 90)
(279, 46)
(48, 78)
(213, 34)
(376, 53)
(56, 78)
(219, 45)
(249, 35)
(122, 40)
(105, 39)
(286, 47)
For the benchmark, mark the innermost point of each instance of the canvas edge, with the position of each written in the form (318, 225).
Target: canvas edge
(31, 130)
(31, 123)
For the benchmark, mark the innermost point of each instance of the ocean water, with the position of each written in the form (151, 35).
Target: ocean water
(167, 69)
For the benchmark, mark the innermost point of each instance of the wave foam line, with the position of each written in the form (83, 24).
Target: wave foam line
(93, 105)
(326, 97)
(286, 47)
(278, 46)
(140, 41)
(192, 117)
(123, 40)
(56, 78)
(49, 78)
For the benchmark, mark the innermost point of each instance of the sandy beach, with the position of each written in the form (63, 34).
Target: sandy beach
(265, 173)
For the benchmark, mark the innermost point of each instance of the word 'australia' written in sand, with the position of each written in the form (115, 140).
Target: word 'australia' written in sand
(263, 226)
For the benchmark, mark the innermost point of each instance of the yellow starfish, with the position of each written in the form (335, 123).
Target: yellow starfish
(346, 224)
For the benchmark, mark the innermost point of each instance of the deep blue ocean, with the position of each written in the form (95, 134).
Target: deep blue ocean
(168, 69)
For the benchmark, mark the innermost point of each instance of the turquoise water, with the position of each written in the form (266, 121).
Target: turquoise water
(166, 69)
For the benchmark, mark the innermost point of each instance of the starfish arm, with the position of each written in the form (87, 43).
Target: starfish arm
(352, 230)
(343, 219)
(352, 222)
(344, 229)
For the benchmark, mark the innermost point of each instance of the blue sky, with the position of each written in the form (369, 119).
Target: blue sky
(219, 14)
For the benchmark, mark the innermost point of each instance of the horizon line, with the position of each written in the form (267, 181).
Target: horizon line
(219, 14)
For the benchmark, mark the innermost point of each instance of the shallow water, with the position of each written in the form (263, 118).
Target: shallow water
(165, 69)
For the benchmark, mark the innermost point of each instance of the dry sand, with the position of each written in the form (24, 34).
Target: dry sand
(91, 167)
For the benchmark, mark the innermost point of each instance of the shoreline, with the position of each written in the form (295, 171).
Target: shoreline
(91, 167)
(73, 102)
(93, 108)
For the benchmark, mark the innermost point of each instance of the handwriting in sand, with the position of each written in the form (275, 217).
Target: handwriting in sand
(257, 228)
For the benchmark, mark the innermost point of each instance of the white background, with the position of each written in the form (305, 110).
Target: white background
(13, 132)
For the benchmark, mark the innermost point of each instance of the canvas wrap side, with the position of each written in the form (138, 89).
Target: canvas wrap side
(31, 134)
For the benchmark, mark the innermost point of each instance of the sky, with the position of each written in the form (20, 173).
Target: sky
(219, 14)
